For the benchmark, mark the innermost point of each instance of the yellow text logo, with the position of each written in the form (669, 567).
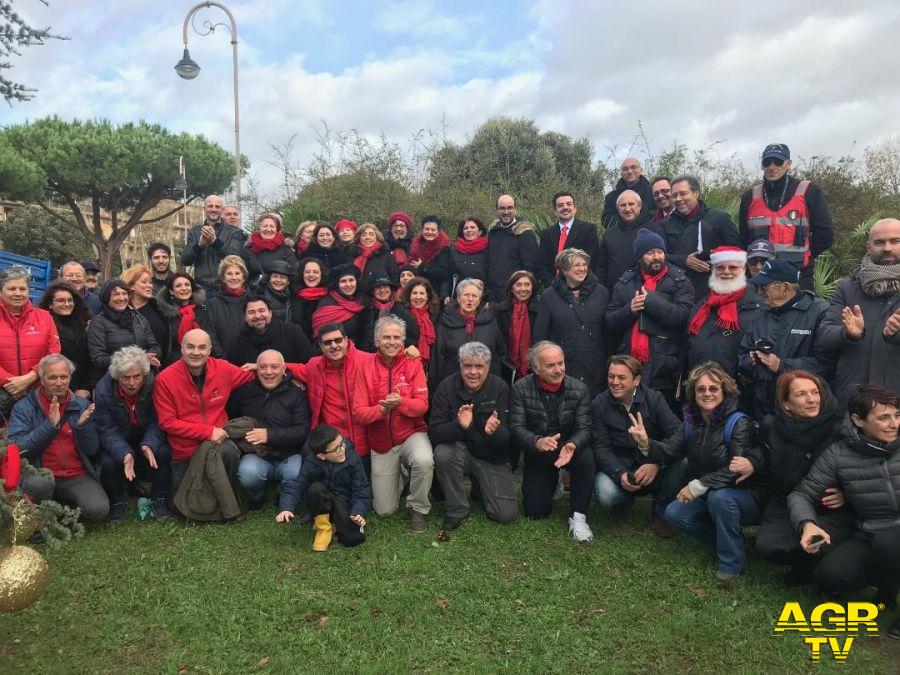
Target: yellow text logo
(830, 626)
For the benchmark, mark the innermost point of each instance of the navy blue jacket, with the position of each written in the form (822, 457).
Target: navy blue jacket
(114, 424)
(29, 428)
(346, 481)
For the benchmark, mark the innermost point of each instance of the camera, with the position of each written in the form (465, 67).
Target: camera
(764, 346)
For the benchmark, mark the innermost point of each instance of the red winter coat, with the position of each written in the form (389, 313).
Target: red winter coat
(374, 381)
(25, 340)
(312, 375)
(188, 416)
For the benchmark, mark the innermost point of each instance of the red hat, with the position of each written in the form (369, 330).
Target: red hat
(727, 254)
(343, 224)
(401, 216)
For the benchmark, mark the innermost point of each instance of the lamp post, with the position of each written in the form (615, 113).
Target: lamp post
(188, 69)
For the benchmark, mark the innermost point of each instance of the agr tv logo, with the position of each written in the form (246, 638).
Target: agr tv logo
(831, 626)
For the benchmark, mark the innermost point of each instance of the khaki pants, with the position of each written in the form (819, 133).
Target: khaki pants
(415, 455)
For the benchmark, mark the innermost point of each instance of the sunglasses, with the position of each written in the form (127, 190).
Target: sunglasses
(335, 341)
(769, 161)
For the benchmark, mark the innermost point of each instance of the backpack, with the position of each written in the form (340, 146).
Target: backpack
(729, 426)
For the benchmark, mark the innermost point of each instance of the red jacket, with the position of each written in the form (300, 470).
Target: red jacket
(312, 375)
(374, 381)
(188, 416)
(25, 340)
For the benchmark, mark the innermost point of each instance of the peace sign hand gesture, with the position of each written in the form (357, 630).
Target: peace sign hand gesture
(638, 432)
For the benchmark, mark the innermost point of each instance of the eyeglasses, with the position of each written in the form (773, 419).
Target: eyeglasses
(657, 193)
(709, 390)
(341, 446)
(63, 301)
(769, 161)
(335, 341)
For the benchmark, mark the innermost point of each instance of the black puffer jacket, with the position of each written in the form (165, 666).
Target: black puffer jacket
(529, 417)
(617, 247)
(284, 305)
(169, 309)
(874, 358)
(794, 329)
(283, 411)
(510, 248)
(716, 228)
(381, 264)
(466, 266)
(867, 471)
(450, 335)
(105, 337)
(714, 343)
(707, 453)
(225, 315)
(162, 330)
(332, 257)
(576, 325)
(669, 306)
(286, 338)
(399, 310)
(443, 426)
(790, 446)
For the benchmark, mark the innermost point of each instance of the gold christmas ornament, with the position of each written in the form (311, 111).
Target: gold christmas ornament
(23, 577)
(27, 520)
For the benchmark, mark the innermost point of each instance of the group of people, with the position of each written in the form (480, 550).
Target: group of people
(679, 357)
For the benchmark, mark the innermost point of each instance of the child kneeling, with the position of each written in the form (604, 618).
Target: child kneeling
(332, 484)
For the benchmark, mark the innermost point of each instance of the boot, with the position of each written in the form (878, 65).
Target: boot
(324, 531)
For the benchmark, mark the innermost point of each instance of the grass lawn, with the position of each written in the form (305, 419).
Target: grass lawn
(253, 597)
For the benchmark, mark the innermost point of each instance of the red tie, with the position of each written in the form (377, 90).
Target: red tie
(563, 235)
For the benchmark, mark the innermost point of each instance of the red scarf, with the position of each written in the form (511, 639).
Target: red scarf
(130, 405)
(426, 330)
(188, 320)
(519, 337)
(470, 323)
(313, 293)
(365, 252)
(233, 292)
(726, 309)
(383, 306)
(476, 245)
(11, 468)
(640, 342)
(257, 243)
(344, 310)
(550, 388)
(400, 257)
(301, 247)
(426, 251)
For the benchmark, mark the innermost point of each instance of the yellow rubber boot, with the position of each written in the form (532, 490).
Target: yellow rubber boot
(324, 531)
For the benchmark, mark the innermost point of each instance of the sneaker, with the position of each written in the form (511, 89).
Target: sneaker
(116, 513)
(450, 523)
(160, 509)
(661, 528)
(418, 522)
(579, 528)
(725, 579)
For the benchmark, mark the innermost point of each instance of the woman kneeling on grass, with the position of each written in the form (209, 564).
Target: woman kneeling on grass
(717, 502)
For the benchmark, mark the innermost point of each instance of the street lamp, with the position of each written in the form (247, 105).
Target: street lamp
(188, 69)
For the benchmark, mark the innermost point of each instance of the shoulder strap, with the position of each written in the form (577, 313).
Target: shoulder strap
(802, 187)
(730, 424)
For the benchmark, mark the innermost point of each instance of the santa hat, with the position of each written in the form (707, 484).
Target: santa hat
(727, 254)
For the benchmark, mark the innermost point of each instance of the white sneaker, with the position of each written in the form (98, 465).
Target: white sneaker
(579, 528)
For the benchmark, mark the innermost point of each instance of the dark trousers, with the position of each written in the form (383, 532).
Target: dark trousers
(539, 478)
(112, 474)
(320, 500)
(82, 492)
(231, 458)
(863, 560)
(453, 461)
(778, 542)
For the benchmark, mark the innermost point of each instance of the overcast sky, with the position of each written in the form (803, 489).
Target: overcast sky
(823, 77)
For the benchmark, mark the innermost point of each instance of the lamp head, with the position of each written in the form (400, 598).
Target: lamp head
(187, 68)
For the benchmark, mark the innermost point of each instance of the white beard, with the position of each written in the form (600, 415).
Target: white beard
(724, 287)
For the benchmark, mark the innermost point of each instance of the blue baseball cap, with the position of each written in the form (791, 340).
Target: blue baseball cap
(776, 270)
(776, 151)
(761, 248)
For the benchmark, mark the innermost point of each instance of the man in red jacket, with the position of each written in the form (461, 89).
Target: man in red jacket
(329, 381)
(390, 397)
(190, 397)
